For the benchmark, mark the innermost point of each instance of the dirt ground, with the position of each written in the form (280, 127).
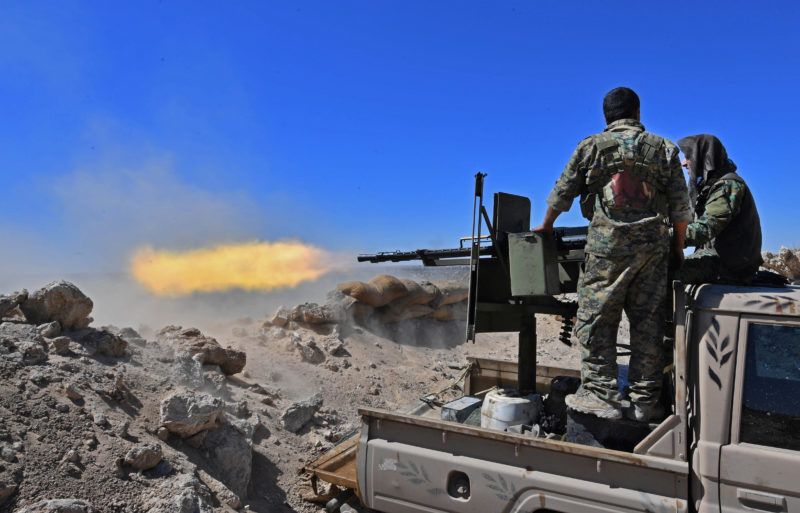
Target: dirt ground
(389, 370)
(72, 421)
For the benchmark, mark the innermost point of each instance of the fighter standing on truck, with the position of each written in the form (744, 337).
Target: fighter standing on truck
(631, 187)
(726, 230)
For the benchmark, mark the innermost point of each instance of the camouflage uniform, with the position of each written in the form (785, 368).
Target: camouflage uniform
(702, 266)
(627, 250)
(728, 209)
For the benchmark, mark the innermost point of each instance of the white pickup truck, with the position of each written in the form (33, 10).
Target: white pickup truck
(731, 443)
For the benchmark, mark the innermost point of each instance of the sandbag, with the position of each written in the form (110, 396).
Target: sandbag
(394, 314)
(353, 309)
(451, 312)
(422, 293)
(379, 291)
(451, 292)
(388, 287)
(362, 292)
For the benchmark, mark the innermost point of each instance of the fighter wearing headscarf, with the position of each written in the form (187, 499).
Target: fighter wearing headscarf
(726, 230)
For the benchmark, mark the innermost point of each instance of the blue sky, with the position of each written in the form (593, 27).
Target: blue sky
(357, 126)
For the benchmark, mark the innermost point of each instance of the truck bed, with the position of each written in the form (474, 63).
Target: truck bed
(415, 462)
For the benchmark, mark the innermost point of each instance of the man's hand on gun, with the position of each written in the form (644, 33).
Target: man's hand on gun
(549, 220)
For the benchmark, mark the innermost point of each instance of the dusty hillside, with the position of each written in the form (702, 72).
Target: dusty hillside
(108, 419)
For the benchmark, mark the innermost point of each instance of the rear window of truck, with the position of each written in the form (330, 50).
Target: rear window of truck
(771, 403)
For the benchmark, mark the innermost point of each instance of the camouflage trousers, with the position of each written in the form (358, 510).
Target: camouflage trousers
(636, 284)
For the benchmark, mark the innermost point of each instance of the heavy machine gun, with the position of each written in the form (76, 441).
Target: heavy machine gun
(514, 273)
(566, 239)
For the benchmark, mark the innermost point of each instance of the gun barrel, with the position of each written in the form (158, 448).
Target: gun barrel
(566, 239)
(426, 255)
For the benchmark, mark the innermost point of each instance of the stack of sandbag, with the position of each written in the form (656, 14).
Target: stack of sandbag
(393, 300)
(383, 299)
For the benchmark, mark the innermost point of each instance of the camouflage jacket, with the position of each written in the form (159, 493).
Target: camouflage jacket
(612, 233)
(728, 222)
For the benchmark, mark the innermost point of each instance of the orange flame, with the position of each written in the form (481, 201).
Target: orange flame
(248, 266)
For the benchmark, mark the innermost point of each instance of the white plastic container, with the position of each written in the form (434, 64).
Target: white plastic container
(503, 408)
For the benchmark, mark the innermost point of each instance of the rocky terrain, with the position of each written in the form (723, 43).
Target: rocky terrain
(96, 419)
(785, 262)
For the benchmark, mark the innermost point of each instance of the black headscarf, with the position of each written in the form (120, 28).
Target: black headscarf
(708, 161)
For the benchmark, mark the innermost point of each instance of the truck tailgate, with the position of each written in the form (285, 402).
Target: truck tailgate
(338, 466)
(416, 465)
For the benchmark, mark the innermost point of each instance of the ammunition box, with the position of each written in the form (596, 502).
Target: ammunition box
(533, 265)
(460, 409)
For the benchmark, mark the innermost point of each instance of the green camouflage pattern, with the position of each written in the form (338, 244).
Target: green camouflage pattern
(723, 203)
(626, 262)
(702, 266)
(616, 233)
(727, 234)
(636, 284)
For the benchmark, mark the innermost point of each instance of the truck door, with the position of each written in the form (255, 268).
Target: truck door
(760, 467)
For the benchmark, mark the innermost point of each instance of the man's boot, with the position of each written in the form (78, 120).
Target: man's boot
(585, 401)
(645, 412)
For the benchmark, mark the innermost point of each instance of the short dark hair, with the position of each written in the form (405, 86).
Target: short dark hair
(620, 103)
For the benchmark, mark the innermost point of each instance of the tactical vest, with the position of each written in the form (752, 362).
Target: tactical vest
(627, 177)
(739, 244)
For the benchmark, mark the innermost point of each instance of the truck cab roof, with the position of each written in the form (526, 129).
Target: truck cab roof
(759, 300)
